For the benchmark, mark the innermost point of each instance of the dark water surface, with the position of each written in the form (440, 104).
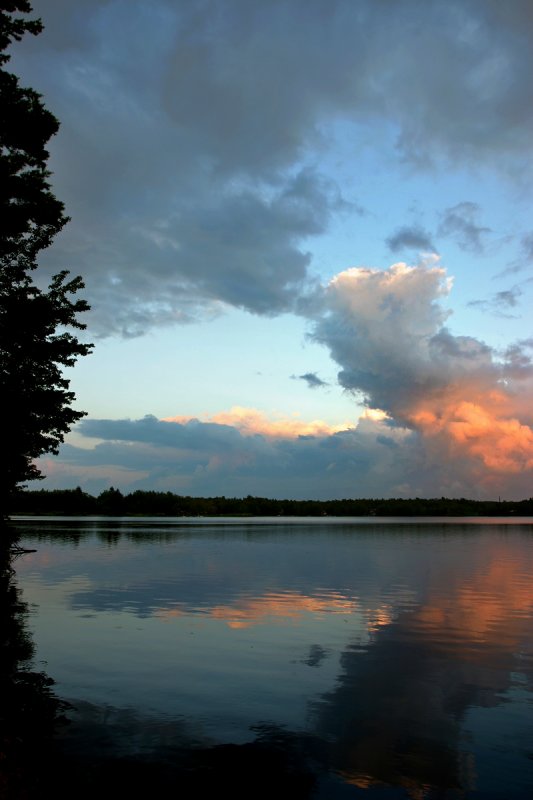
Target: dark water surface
(398, 654)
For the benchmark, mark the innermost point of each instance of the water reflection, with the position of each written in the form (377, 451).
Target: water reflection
(398, 655)
(398, 711)
(29, 710)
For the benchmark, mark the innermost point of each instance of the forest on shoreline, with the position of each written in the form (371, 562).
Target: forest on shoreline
(112, 502)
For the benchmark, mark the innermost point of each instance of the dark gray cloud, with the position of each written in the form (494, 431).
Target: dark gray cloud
(508, 298)
(191, 133)
(527, 246)
(192, 435)
(523, 260)
(200, 458)
(379, 458)
(312, 380)
(411, 238)
(500, 303)
(518, 358)
(460, 223)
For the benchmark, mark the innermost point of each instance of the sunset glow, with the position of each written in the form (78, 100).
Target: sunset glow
(250, 421)
(471, 430)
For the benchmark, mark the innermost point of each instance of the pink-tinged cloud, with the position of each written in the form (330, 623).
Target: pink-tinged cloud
(250, 421)
(386, 329)
(502, 444)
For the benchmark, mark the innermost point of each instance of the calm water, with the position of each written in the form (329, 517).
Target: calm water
(401, 650)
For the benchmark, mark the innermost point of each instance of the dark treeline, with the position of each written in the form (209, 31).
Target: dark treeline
(150, 503)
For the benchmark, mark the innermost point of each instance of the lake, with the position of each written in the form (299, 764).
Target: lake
(396, 655)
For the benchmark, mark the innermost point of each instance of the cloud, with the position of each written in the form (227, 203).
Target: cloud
(527, 246)
(518, 358)
(508, 297)
(312, 380)
(461, 438)
(250, 421)
(411, 238)
(459, 222)
(190, 168)
(223, 247)
(500, 303)
(386, 329)
(376, 325)
(523, 260)
(213, 458)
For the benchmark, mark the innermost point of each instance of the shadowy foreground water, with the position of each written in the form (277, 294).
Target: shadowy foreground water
(48, 748)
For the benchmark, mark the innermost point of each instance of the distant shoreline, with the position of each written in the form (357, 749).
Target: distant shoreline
(111, 502)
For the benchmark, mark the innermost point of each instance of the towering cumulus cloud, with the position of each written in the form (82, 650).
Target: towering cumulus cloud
(386, 329)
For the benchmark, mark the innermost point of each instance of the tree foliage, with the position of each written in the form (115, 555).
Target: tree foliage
(167, 504)
(36, 341)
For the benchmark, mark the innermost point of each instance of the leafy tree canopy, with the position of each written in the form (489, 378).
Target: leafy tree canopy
(36, 341)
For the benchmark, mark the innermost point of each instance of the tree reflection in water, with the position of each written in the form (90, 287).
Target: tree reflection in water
(29, 710)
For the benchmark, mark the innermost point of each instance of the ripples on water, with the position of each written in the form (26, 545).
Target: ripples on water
(402, 650)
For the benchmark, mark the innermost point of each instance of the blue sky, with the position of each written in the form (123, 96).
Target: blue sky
(225, 165)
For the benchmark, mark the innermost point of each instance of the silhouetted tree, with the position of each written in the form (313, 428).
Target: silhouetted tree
(110, 501)
(35, 340)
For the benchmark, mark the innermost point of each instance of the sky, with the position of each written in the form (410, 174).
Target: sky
(304, 229)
